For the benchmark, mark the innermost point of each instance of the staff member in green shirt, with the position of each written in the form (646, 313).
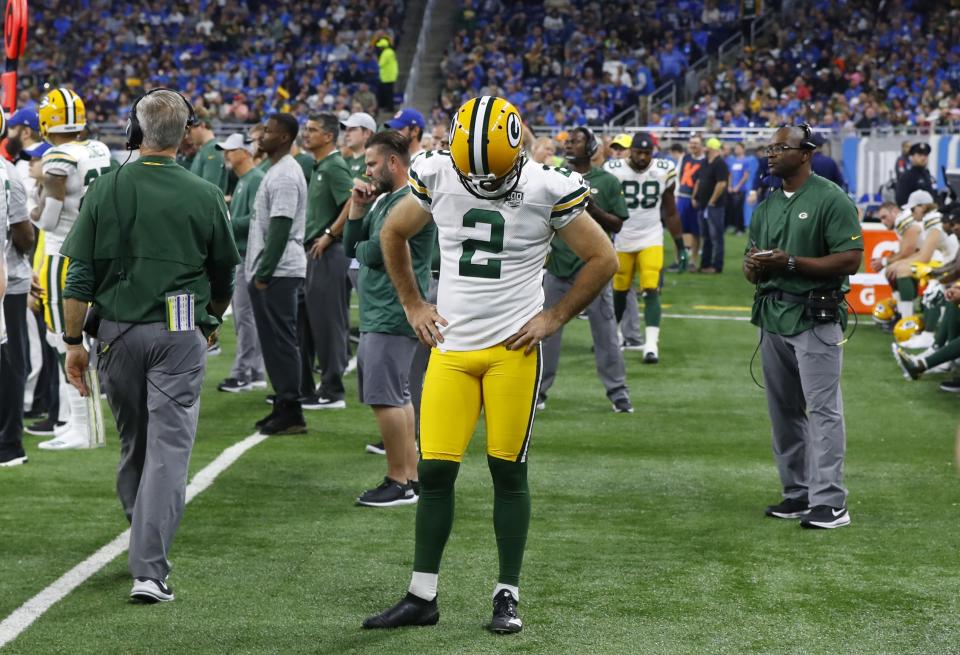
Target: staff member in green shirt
(805, 240)
(208, 161)
(153, 250)
(608, 208)
(387, 342)
(327, 288)
(247, 372)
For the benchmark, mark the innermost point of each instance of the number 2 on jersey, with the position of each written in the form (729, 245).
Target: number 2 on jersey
(491, 269)
(645, 196)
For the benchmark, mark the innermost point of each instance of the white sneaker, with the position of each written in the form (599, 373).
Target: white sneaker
(258, 384)
(149, 590)
(651, 354)
(541, 406)
(351, 366)
(918, 341)
(69, 440)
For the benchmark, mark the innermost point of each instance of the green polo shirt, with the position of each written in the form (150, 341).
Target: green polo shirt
(208, 164)
(241, 206)
(329, 187)
(178, 238)
(380, 308)
(607, 193)
(357, 165)
(817, 220)
(306, 164)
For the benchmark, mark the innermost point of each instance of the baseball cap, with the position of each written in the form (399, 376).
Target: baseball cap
(236, 141)
(918, 197)
(407, 117)
(25, 117)
(713, 143)
(360, 119)
(915, 149)
(643, 141)
(37, 150)
(623, 140)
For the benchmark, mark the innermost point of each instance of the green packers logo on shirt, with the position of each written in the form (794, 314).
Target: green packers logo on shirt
(319, 176)
(594, 190)
(803, 215)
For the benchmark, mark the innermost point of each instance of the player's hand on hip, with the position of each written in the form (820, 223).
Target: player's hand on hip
(76, 365)
(320, 244)
(426, 323)
(533, 332)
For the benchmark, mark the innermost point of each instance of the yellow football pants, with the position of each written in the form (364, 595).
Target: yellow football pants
(648, 261)
(53, 279)
(503, 382)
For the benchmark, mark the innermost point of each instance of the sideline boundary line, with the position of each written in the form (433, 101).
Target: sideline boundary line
(22, 617)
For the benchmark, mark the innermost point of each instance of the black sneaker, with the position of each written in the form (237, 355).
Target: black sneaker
(151, 590)
(233, 385)
(673, 268)
(44, 428)
(623, 406)
(505, 619)
(911, 367)
(632, 344)
(789, 508)
(390, 493)
(266, 419)
(13, 459)
(320, 402)
(951, 386)
(270, 398)
(412, 610)
(285, 420)
(376, 448)
(826, 517)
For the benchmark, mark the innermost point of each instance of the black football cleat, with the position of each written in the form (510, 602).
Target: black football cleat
(505, 619)
(412, 610)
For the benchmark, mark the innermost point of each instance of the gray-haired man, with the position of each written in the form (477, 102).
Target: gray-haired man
(153, 250)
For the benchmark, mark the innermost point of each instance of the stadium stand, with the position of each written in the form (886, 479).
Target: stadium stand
(237, 61)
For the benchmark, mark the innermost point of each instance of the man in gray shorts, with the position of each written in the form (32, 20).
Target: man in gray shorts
(387, 342)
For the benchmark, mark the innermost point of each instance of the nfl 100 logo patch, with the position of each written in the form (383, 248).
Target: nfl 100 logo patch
(515, 199)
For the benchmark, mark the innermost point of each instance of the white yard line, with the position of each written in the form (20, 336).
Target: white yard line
(33, 609)
(705, 317)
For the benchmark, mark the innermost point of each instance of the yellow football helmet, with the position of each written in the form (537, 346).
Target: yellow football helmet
(486, 139)
(62, 112)
(907, 327)
(885, 311)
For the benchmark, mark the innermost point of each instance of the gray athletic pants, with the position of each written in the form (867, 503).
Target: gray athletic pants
(802, 378)
(275, 310)
(328, 313)
(152, 378)
(248, 362)
(606, 349)
(630, 323)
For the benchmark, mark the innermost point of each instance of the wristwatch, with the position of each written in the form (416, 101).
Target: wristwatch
(72, 341)
(330, 234)
(791, 264)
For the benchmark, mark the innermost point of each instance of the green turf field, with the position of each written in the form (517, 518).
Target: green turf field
(648, 533)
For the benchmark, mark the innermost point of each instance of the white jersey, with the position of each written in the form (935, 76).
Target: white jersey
(945, 244)
(643, 192)
(493, 251)
(81, 162)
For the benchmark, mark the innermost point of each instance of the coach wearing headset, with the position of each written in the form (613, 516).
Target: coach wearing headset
(153, 251)
(805, 240)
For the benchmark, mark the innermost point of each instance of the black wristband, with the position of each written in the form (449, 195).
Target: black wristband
(72, 341)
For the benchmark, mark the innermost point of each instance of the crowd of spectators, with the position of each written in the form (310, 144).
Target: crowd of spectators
(854, 64)
(237, 60)
(576, 62)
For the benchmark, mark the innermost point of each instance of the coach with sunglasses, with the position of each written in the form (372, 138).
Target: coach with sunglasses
(153, 251)
(805, 240)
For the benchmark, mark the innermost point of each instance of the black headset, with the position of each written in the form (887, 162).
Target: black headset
(807, 137)
(592, 144)
(135, 131)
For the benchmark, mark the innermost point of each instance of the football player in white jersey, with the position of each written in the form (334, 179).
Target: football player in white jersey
(69, 167)
(496, 215)
(648, 187)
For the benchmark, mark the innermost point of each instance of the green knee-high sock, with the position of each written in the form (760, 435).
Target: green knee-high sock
(619, 304)
(511, 515)
(931, 318)
(907, 288)
(434, 513)
(948, 353)
(951, 322)
(651, 308)
(942, 334)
